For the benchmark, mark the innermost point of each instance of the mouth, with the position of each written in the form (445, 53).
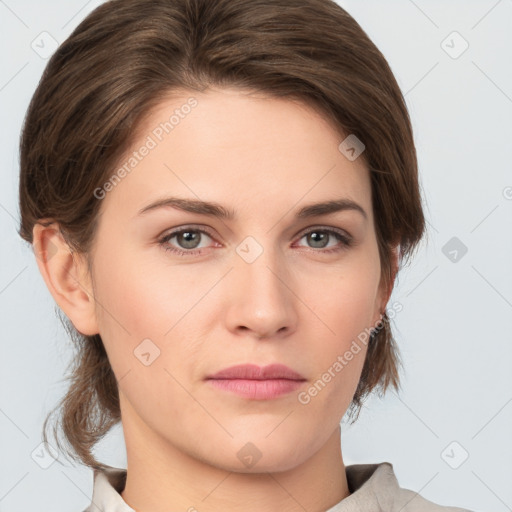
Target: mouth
(255, 382)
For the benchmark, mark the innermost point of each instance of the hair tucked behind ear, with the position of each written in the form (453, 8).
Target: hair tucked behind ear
(125, 57)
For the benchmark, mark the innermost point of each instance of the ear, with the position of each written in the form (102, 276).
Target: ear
(385, 292)
(66, 276)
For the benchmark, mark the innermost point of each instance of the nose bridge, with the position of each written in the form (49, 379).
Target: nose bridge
(262, 300)
(260, 265)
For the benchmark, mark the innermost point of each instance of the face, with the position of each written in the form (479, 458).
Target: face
(181, 295)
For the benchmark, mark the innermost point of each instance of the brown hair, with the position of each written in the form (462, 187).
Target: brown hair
(124, 58)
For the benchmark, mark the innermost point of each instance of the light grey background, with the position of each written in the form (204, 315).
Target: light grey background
(454, 330)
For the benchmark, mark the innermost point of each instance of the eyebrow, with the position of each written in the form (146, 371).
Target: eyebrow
(217, 210)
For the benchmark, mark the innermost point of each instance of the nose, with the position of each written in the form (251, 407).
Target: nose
(261, 299)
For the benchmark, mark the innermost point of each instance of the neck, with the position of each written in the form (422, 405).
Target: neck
(163, 478)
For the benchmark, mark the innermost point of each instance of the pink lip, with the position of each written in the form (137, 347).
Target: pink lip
(257, 383)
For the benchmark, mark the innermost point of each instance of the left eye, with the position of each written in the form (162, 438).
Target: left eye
(189, 240)
(320, 238)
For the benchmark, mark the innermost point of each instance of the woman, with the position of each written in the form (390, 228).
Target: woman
(220, 194)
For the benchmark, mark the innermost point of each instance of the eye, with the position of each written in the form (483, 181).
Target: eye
(188, 238)
(319, 238)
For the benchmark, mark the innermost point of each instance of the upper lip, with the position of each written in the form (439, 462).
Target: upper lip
(255, 372)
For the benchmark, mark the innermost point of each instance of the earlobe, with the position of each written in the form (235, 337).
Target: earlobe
(66, 276)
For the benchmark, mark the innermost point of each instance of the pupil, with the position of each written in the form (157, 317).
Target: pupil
(315, 236)
(187, 237)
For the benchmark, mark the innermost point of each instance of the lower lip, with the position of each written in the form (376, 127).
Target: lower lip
(257, 389)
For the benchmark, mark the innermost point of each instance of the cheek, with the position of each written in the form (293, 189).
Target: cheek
(143, 314)
(139, 294)
(346, 313)
(344, 307)
(141, 299)
(346, 299)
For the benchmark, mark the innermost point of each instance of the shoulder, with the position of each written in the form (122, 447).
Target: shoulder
(376, 484)
(410, 501)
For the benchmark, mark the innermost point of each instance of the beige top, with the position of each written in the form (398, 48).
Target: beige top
(373, 488)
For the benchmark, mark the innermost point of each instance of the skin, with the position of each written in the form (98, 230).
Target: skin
(295, 304)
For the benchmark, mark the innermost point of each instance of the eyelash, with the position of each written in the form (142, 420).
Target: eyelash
(346, 241)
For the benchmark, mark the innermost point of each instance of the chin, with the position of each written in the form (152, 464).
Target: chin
(263, 455)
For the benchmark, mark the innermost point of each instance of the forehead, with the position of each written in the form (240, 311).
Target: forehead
(239, 148)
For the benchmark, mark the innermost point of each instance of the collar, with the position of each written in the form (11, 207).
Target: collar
(372, 487)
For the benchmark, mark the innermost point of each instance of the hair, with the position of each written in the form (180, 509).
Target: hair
(123, 59)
